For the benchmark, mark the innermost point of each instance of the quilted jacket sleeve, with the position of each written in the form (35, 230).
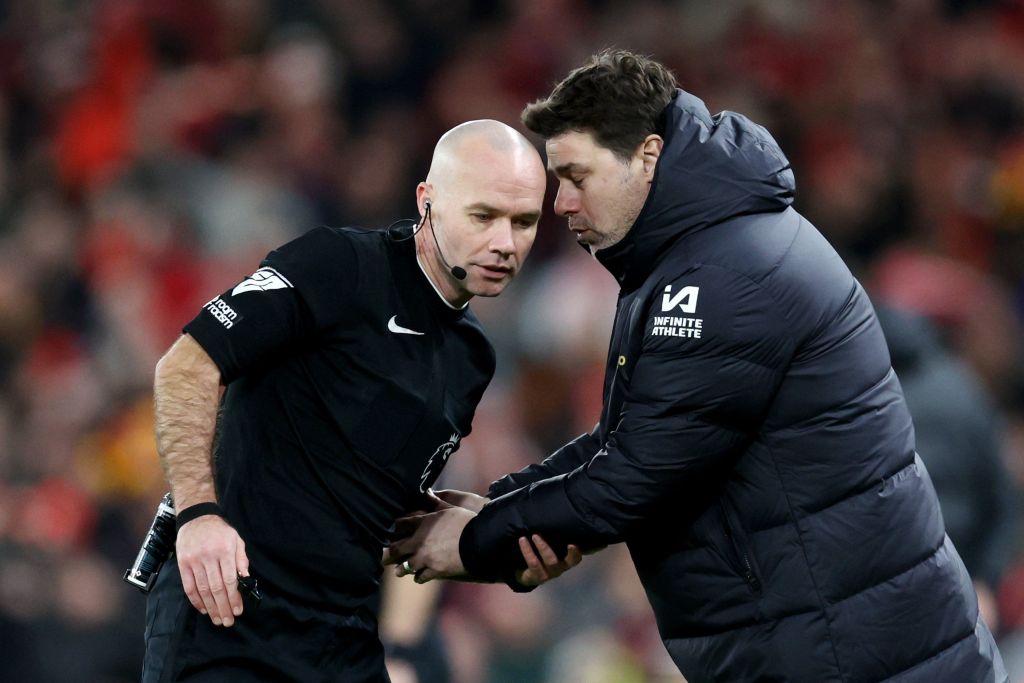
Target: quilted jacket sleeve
(690, 407)
(565, 459)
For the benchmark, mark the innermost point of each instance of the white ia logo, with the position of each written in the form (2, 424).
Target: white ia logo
(686, 299)
(677, 325)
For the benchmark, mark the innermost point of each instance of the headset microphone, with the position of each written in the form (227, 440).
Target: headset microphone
(457, 272)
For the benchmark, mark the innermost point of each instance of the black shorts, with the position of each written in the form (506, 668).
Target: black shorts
(274, 640)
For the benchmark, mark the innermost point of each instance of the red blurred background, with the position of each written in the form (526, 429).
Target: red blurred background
(154, 150)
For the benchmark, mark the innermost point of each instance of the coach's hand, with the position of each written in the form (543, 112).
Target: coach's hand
(211, 555)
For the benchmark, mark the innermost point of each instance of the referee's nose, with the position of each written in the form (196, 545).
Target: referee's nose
(502, 240)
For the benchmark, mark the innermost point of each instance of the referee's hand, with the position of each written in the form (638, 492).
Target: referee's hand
(542, 563)
(211, 555)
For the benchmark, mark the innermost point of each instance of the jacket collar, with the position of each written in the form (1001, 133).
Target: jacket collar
(712, 168)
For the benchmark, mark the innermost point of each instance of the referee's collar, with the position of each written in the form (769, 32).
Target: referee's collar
(436, 290)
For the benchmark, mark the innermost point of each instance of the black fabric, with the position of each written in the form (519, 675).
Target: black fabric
(428, 658)
(755, 450)
(333, 424)
(274, 640)
(350, 383)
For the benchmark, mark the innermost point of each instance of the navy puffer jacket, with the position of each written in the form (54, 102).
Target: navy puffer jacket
(755, 450)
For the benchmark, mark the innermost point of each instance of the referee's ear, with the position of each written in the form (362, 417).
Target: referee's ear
(424, 195)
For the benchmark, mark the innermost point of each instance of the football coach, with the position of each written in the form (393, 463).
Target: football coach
(755, 450)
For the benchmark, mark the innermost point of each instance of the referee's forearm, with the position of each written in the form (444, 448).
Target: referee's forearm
(186, 391)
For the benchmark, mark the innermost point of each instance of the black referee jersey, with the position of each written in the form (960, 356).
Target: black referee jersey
(350, 382)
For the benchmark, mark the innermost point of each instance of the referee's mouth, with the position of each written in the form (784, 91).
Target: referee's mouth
(495, 272)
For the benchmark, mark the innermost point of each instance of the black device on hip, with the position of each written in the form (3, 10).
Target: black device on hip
(156, 548)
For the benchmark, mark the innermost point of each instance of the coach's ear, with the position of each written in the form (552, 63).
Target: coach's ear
(649, 152)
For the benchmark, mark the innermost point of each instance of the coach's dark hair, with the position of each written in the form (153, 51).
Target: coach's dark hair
(618, 96)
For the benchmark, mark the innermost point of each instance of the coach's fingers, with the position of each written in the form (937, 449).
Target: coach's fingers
(574, 556)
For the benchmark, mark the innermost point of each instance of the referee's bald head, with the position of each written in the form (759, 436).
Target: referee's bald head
(474, 141)
(479, 208)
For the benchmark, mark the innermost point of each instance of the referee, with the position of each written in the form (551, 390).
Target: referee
(352, 366)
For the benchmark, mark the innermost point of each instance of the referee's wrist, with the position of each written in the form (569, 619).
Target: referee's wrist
(198, 510)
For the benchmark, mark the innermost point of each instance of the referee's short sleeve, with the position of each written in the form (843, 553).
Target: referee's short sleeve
(300, 289)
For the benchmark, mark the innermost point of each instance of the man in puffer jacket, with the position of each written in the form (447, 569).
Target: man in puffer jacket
(755, 450)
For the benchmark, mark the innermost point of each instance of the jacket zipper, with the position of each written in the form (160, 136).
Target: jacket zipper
(615, 352)
(739, 544)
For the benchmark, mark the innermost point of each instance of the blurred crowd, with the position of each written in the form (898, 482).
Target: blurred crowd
(154, 150)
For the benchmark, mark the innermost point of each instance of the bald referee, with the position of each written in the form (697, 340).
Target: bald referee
(352, 366)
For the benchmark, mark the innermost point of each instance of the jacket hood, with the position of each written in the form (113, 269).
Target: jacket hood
(711, 169)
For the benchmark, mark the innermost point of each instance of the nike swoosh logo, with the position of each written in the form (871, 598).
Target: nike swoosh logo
(398, 329)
